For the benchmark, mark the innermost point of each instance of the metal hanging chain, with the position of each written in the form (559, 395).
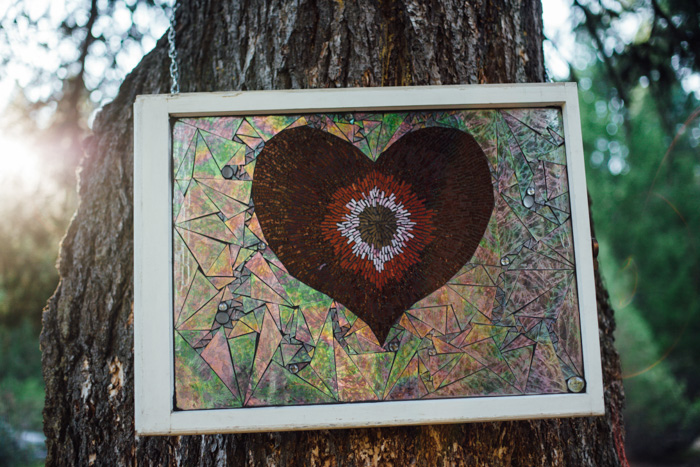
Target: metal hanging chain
(172, 52)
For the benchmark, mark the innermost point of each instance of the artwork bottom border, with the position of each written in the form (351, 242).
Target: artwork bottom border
(378, 414)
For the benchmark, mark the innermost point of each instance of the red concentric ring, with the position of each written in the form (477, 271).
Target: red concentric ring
(378, 263)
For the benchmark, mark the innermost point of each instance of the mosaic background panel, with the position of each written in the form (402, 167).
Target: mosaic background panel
(248, 333)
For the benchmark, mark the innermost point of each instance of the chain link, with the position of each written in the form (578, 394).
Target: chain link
(172, 52)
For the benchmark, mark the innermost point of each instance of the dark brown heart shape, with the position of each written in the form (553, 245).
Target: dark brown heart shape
(322, 203)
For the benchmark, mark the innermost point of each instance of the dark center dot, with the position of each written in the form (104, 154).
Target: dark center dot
(377, 226)
(222, 317)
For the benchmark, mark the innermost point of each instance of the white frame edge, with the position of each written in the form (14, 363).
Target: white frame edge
(154, 369)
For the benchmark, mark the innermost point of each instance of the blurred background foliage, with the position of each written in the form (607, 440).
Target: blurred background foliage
(637, 64)
(60, 61)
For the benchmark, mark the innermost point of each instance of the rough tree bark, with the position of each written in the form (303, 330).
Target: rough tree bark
(87, 339)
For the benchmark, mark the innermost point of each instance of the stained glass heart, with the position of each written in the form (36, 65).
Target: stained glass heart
(375, 236)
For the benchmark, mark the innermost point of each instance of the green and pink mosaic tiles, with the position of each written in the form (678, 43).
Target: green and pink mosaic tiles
(248, 333)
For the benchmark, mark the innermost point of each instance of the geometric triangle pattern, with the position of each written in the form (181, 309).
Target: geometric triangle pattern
(247, 333)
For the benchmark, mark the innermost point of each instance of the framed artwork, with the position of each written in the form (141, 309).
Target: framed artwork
(362, 257)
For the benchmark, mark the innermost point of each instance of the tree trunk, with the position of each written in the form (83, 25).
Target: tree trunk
(87, 339)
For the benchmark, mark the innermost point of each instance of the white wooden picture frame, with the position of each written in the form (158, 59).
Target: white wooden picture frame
(154, 325)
